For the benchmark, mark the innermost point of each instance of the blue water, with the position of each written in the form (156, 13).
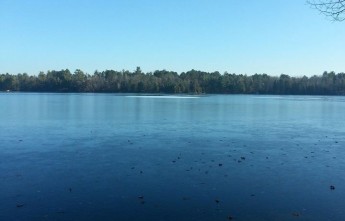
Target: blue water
(129, 157)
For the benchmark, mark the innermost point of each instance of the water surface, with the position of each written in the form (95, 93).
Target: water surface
(129, 157)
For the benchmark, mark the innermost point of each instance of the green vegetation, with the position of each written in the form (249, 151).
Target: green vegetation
(191, 82)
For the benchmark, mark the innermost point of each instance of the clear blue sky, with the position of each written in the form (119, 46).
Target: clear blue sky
(244, 37)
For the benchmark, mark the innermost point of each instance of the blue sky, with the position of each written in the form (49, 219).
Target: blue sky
(244, 37)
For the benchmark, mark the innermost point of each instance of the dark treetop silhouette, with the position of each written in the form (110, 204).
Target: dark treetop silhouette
(162, 81)
(331, 8)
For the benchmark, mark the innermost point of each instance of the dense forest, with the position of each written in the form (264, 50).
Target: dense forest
(191, 82)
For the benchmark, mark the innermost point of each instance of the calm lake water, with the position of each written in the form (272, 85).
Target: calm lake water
(126, 157)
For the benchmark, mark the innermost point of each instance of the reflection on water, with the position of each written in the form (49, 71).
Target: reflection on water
(125, 157)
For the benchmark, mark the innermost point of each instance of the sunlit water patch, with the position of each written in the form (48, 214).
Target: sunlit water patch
(163, 96)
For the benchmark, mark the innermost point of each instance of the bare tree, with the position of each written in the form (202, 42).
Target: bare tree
(331, 8)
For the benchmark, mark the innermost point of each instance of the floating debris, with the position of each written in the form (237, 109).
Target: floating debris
(243, 158)
(217, 201)
(20, 205)
(141, 198)
(332, 187)
(230, 217)
(220, 164)
(296, 214)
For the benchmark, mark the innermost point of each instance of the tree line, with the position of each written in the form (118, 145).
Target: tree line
(162, 81)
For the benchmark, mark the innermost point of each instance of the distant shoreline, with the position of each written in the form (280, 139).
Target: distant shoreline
(168, 82)
(138, 95)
